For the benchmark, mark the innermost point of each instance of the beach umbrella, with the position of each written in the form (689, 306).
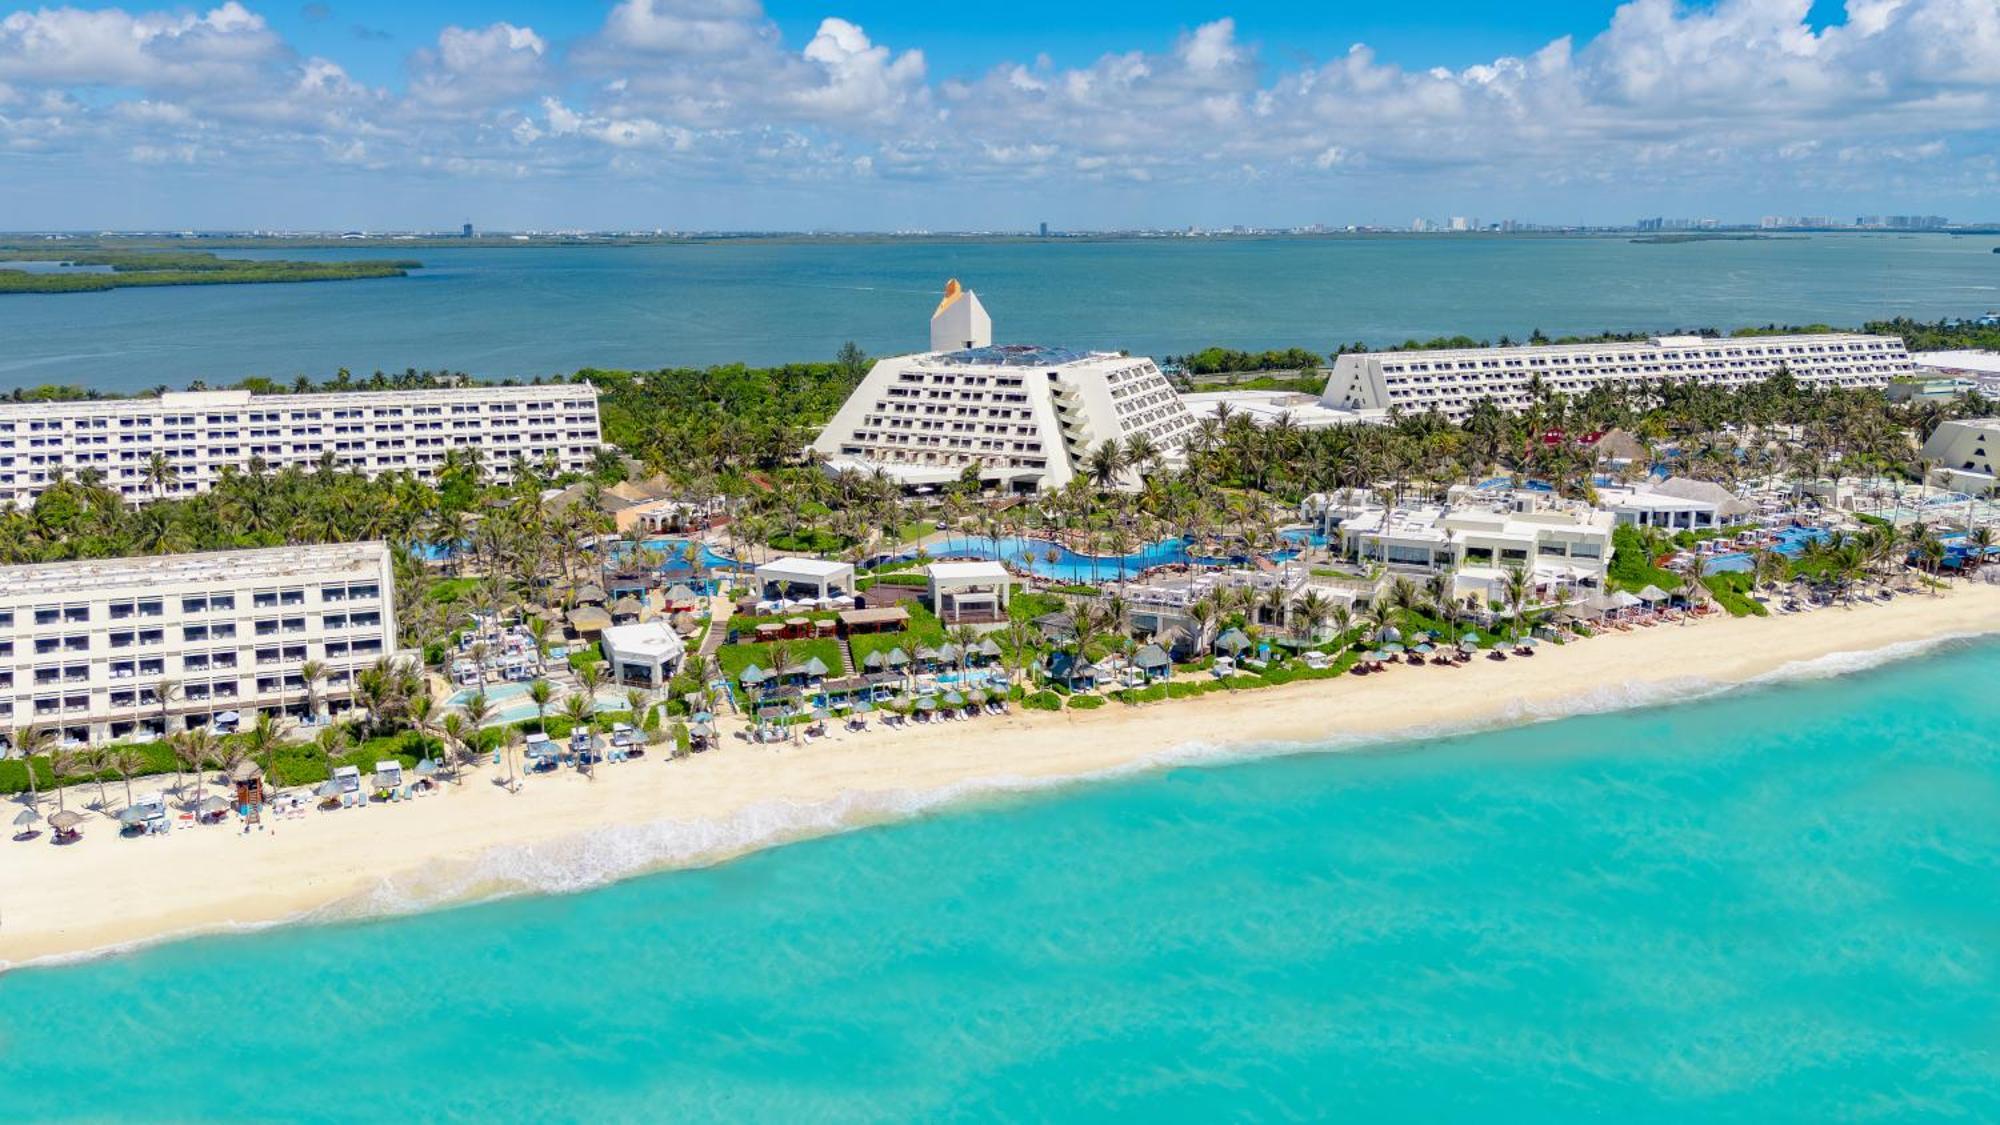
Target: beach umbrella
(1468, 645)
(988, 648)
(1392, 649)
(702, 730)
(426, 768)
(821, 714)
(132, 815)
(863, 707)
(977, 695)
(1389, 633)
(65, 820)
(927, 703)
(953, 699)
(1527, 642)
(327, 788)
(209, 807)
(26, 817)
(1424, 649)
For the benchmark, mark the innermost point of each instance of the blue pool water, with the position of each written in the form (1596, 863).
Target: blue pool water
(1031, 555)
(1791, 542)
(1778, 905)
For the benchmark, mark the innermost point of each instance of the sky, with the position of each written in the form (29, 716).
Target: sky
(877, 115)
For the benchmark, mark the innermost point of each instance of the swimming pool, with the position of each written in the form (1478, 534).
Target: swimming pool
(1033, 555)
(1791, 544)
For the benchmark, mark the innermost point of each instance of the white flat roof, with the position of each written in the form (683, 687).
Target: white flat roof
(652, 639)
(83, 577)
(814, 568)
(969, 572)
(1985, 363)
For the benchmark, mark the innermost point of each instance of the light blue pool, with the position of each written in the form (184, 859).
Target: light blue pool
(1791, 544)
(1496, 484)
(1032, 555)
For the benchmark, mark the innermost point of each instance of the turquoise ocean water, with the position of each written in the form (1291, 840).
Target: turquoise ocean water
(1781, 904)
(537, 311)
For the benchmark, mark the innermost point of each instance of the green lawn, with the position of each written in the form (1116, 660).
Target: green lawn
(734, 658)
(924, 629)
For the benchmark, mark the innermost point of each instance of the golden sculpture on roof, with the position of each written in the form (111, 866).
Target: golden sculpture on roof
(952, 292)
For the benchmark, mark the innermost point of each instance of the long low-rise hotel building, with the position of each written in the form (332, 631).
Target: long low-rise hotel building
(86, 647)
(1023, 417)
(1453, 380)
(201, 433)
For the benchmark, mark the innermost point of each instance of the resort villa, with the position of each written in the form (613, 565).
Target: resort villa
(201, 433)
(1021, 417)
(86, 647)
(969, 592)
(643, 655)
(1679, 504)
(1452, 380)
(1563, 546)
(1962, 455)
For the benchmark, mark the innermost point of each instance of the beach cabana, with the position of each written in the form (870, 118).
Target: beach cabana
(682, 598)
(1153, 662)
(826, 578)
(1232, 641)
(645, 655)
(591, 595)
(985, 651)
(1653, 595)
(874, 619)
(628, 610)
(969, 591)
(589, 619)
(753, 676)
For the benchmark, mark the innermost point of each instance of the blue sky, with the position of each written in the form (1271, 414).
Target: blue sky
(868, 114)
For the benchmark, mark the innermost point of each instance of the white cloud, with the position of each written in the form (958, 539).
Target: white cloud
(1667, 97)
(473, 67)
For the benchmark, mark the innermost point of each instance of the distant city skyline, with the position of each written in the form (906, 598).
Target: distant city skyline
(866, 115)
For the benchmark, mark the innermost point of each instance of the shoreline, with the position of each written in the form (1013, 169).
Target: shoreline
(562, 833)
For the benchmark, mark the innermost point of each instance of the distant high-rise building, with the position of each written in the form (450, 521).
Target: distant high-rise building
(1651, 224)
(465, 231)
(1045, 230)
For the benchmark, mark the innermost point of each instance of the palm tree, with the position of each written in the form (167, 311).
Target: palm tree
(1515, 589)
(261, 741)
(194, 749)
(159, 473)
(539, 692)
(311, 673)
(63, 762)
(30, 743)
(127, 762)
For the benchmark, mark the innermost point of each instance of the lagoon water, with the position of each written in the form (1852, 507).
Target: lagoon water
(522, 312)
(1779, 904)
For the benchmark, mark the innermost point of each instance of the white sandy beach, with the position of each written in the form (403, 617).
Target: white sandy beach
(564, 832)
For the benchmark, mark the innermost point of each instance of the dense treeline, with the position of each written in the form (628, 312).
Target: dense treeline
(167, 267)
(1215, 361)
(730, 415)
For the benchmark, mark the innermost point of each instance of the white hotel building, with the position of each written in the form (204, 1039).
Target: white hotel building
(1452, 380)
(85, 646)
(1026, 417)
(368, 432)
